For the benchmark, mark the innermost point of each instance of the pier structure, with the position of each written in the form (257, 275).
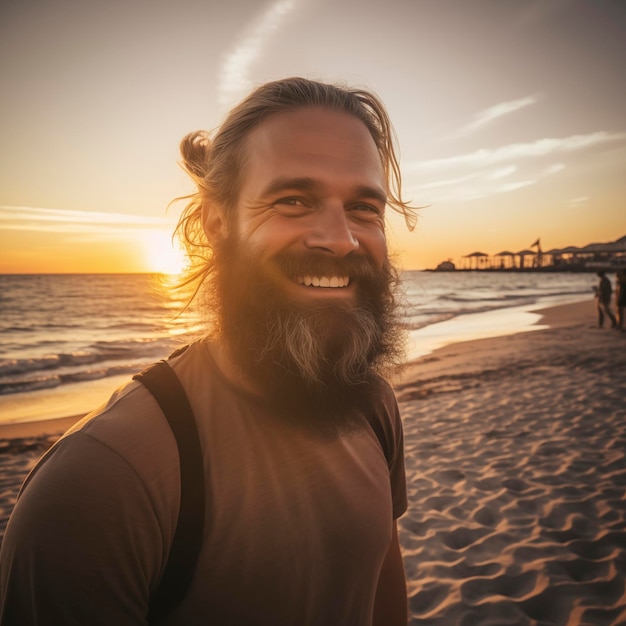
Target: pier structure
(609, 256)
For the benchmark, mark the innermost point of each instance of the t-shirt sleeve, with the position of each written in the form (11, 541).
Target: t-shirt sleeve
(397, 472)
(392, 427)
(78, 549)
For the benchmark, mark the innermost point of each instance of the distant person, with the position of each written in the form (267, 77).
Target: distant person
(300, 439)
(603, 300)
(620, 297)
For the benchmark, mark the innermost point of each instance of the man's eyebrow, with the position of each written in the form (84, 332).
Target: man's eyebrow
(285, 182)
(365, 191)
(311, 184)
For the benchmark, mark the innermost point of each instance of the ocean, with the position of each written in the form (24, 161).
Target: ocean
(60, 334)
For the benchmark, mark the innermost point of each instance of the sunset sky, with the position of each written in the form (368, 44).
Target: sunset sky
(510, 116)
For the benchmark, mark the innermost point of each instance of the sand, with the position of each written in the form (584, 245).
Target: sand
(516, 467)
(516, 470)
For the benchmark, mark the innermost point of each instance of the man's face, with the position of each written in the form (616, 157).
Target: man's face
(313, 186)
(303, 280)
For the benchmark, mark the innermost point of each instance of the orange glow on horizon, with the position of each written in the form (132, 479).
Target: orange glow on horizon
(162, 255)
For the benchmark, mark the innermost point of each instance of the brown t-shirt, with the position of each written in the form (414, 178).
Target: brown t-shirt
(297, 526)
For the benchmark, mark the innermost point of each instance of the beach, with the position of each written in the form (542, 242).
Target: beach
(516, 470)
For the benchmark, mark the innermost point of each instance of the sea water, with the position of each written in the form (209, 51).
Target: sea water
(59, 333)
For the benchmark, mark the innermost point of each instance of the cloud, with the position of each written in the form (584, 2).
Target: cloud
(576, 202)
(447, 182)
(481, 187)
(480, 174)
(76, 222)
(555, 168)
(234, 80)
(539, 148)
(502, 172)
(493, 113)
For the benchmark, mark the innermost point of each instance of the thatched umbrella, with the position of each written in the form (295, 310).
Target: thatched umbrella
(522, 254)
(505, 254)
(478, 257)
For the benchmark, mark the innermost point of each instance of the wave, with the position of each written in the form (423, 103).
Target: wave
(101, 359)
(89, 327)
(18, 385)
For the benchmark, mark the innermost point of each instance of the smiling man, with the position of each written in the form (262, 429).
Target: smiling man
(300, 438)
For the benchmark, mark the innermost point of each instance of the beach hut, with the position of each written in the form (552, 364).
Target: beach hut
(564, 256)
(505, 259)
(477, 260)
(522, 254)
(604, 253)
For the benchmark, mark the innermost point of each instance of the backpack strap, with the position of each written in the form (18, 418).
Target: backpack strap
(161, 381)
(164, 385)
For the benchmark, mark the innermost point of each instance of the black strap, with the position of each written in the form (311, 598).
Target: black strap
(166, 388)
(164, 385)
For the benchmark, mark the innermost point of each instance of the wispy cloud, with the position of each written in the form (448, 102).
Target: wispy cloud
(512, 152)
(495, 112)
(482, 173)
(74, 222)
(576, 202)
(448, 182)
(234, 79)
(555, 168)
(481, 186)
(502, 172)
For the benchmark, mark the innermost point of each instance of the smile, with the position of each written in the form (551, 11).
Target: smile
(332, 282)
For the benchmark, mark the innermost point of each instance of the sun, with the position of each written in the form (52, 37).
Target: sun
(162, 255)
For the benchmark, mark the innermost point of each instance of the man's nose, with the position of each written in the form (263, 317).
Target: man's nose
(331, 231)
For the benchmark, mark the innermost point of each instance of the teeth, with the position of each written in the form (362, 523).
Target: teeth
(324, 281)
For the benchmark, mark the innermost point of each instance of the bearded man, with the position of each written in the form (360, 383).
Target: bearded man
(300, 437)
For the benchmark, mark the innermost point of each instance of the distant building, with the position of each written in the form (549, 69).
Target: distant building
(446, 266)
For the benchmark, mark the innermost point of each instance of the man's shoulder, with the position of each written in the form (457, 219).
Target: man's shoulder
(385, 391)
(131, 423)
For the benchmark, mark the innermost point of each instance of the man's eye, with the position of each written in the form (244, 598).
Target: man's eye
(290, 201)
(366, 209)
(291, 207)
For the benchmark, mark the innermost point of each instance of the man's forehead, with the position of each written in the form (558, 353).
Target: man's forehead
(312, 122)
(314, 136)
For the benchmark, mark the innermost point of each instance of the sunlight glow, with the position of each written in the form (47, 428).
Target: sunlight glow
(163, 255)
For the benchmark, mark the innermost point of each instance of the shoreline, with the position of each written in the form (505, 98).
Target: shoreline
(78, 399)
(63, 409)
(485, 325)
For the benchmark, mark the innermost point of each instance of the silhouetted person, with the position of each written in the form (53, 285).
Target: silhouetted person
(620, 297)
(603, 300)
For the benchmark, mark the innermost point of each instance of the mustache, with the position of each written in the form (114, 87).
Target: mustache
(356, 266)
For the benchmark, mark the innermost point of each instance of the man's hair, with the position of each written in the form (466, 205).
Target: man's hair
(215, 163)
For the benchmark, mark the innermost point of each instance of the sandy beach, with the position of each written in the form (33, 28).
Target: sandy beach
(516, 466)
(516, 470)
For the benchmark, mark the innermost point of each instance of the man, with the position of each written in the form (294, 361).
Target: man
(288, 232)
(603, 300)
(620, 297)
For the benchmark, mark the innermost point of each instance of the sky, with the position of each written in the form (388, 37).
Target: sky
(510, 117)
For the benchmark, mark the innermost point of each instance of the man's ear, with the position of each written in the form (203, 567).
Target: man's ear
(213, 222)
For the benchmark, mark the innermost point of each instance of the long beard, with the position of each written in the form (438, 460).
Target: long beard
(315, 360)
